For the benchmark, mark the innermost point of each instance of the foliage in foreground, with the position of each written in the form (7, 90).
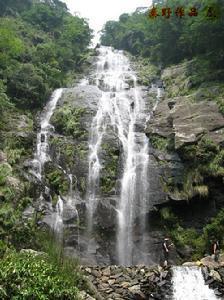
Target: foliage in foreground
(26, 276)
(40, 275)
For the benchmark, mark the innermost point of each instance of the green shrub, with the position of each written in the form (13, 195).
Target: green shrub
(57, 180)
(14, 155)
(109, 172)
(67, 120)
(26, 276)
(168, 217)
(215, 228)
(14, 231)
(5, 170)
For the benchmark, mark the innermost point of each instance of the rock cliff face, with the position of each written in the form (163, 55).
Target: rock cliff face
(182, 121)
(186, 121)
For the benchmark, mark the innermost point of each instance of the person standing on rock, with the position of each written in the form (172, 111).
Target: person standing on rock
(216, 250)
(166, 245)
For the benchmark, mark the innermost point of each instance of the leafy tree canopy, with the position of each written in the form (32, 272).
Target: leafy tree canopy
(170, 40)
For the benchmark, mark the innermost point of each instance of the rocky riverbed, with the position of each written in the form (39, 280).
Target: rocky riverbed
(135, 282)
(144, 282)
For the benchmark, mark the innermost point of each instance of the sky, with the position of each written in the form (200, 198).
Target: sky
(99, 11)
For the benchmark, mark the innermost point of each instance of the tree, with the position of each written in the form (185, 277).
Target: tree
(27, 87)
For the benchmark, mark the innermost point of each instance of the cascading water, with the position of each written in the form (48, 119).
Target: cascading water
(134, 182)
(122, 108)
(42, 155)
(188, 283)
(58, 224)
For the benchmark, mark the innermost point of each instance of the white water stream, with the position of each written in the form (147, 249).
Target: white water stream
(188, 283)
(42, 154)
(42, 150)
(122, 108)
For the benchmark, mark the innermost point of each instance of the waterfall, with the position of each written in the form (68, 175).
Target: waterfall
(42, 149)
(134, 182)
(72, 209)
(42, 156)
(58, 224)
(188, 283)
(122, 108)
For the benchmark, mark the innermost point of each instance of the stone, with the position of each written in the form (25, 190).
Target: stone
(111, 281)
(103, 286)
(84, 296)
(135, 288)
(104, 279)
(117, 275)
(106, 272)
(190, 264)
(149, 274)
(221, 272)
(209, 262)
(125, 284)
(134, 282)
(108, 291)
(33, 252)
(88, 270)
(214, 274)
(96, 273)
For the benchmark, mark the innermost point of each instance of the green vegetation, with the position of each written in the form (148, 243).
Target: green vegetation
(67, 121)
(38, 275)
(162, 143)
(170, 41)
(199, 242)
(72, 154)
(110, 170)
(39, 43)
(22, 277)
(56, 179)
(202, 160)
(42, 46)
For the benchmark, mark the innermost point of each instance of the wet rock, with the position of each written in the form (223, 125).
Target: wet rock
(29, 213)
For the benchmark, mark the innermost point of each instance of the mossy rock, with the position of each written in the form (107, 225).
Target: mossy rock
(56, 179)
(202, 160)
(162, 143)
(109, 173)
(67, 120)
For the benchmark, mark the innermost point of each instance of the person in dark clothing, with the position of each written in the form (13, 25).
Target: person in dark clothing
(216, 250)
(132, 105)
(166, 245)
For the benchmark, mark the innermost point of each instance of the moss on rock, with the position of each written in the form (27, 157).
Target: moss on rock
(56, 179)
(109, 172)
(67, 120)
